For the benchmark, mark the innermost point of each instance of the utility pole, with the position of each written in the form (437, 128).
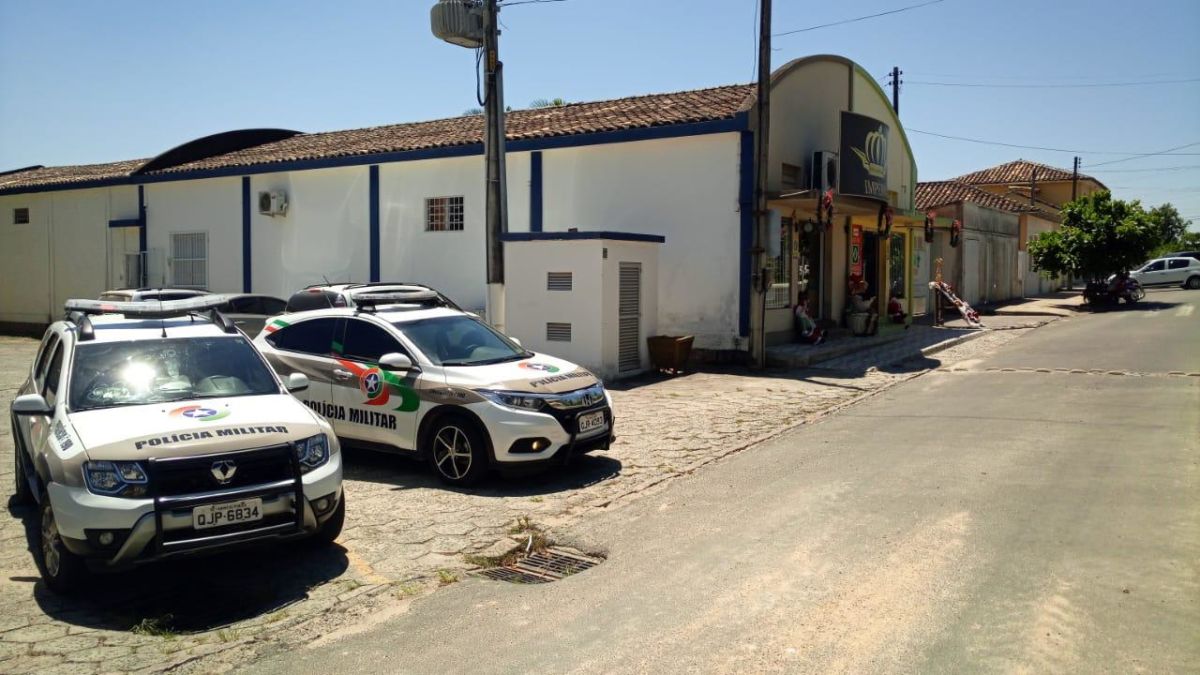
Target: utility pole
(474, 24)
(759, 276)
(896, 73)
(1075, 179)
(1032, 186)
(497, 192)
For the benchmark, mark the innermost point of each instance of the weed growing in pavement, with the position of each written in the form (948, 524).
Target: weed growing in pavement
(227, 634)
(538, 499)
(407, 590)
(447, 577)
(276, 616)
(156, 627)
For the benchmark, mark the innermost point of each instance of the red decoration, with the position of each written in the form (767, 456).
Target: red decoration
(826, 208)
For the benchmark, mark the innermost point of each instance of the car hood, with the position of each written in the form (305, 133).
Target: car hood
(540, 374)
(183, 428)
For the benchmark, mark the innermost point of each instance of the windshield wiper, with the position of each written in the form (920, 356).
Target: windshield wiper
(485, 362)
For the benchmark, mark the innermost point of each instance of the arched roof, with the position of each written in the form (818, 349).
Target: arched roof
(213, 145)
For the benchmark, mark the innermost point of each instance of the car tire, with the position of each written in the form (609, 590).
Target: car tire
(329, 531)
(22, 494)
(456, 451)
(1193, 283)
(62, 571)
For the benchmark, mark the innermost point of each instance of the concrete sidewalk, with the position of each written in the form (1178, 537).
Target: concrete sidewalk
(894, 344)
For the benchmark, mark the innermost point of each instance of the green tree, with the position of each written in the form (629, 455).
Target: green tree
(469, 112)
(1099, 236)
(1172, 229)
(547, 103)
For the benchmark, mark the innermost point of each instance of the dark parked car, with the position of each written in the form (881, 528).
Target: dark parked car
(250, 312)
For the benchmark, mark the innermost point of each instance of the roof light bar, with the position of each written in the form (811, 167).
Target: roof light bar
(148, 309)
(369, 301)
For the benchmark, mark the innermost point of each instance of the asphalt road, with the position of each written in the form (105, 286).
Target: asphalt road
(981, 521)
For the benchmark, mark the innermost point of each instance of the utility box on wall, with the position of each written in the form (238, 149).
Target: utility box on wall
(588, 297)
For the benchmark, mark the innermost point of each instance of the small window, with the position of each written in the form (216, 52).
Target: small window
(53, 375)
(792, 176)
(189, 259)
(365, 341)
(559, 281)
(558, 332)
(1177, 263)
(21, 216)
(443, 214)
(309, 337)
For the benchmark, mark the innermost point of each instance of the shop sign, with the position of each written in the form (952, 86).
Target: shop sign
(864, 152)
(856, 250)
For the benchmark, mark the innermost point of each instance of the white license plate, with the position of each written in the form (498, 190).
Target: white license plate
(229, 513)
(591, 421)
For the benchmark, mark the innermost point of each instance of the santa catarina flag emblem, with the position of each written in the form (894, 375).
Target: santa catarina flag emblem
(378, 386)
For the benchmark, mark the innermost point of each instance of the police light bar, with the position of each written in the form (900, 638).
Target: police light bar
(413, 297)
(148, 309)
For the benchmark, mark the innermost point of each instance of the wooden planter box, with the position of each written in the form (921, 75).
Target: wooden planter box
(669, 353)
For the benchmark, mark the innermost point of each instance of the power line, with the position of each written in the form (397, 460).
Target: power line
(1182, 167)
(1170, 151)
(514, 3)
(1039, 147)
(1053, 86)
(860, 18)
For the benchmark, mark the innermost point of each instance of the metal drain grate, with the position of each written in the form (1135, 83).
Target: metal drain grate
(542, 567)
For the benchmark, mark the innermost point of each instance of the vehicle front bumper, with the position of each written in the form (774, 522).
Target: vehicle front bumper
(507, 428)
(143, 533)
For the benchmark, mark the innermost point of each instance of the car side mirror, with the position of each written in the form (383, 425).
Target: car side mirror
(396, 361)
(296, 382)
(31, 404)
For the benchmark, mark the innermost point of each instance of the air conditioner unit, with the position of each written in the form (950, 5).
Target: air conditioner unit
(273, 203)
(824, 171)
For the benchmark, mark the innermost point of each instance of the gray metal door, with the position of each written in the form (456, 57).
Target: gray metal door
(629, 317)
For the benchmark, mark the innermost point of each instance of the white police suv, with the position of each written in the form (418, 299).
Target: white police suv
(405, 372)
(149, 429)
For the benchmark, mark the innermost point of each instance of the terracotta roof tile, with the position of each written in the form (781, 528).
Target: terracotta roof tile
(1019, 171)
(635, 112)
(65, 175)
(933, 194)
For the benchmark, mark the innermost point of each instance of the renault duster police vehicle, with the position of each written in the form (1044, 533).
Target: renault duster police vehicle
(146, 430)
(404, 372)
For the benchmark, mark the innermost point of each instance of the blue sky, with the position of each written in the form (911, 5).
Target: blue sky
(88, 82)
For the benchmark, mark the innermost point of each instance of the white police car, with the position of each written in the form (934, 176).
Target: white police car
(147, 430)
(405, 372)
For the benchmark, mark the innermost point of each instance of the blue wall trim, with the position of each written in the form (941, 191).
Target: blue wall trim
(746, 207)
(247, 257)
(142, 222)
(535, 191)
(739, 122)
(373, 208)
(126, 222)
(572, 236)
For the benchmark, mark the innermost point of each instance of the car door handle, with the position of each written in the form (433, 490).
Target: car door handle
(342, 374)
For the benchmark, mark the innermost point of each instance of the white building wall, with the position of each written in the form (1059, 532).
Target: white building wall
(453, 262)
(25, 260)
(325, 233)
(79, 234)
(529, 305)
(210, 205)
(685, 189)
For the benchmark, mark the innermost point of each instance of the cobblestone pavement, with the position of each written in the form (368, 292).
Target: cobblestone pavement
(405, 533)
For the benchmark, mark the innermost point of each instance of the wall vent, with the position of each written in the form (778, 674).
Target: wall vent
(558, 332)
(559, 281)
(21, 216)
(629, 317)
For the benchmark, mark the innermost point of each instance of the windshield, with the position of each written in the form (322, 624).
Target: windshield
(460, 341)
(108, 374)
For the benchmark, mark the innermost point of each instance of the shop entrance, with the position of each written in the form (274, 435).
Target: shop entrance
(870, 258)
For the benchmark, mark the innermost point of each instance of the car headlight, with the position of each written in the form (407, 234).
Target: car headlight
(116, 479)
(513, 399)
(312, 452)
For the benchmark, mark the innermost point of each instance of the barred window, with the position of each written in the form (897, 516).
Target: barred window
(443, 214)
(189, 258)
(21, 216)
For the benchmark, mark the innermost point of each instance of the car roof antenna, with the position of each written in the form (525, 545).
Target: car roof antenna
(163, 324)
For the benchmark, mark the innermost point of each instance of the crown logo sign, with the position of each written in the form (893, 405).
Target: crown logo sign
(875, 153)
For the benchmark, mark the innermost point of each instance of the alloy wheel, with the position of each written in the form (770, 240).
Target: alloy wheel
(452, 452)
(50, 543)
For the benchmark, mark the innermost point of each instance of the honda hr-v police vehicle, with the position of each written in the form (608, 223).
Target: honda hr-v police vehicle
(146, 430)
(405, 372)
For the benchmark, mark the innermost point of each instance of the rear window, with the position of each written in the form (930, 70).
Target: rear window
(1178, 263)
(304, 301)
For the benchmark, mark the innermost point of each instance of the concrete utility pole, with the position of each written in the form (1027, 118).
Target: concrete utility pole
(497, 192)
(1075, 179)
(896, 73)
(760, 278)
